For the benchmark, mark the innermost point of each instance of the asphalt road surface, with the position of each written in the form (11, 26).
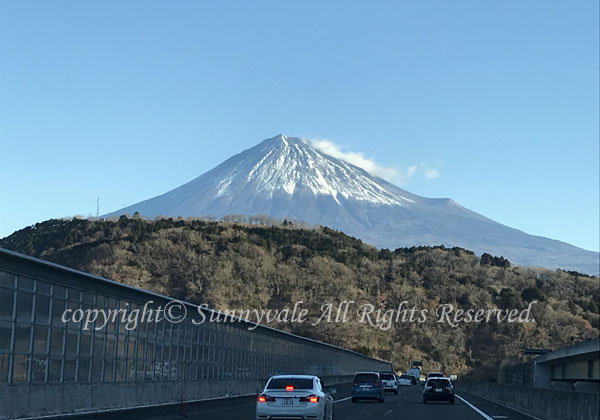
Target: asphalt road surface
(408, 404)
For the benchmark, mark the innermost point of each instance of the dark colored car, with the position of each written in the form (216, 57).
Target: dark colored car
(435, 375)
(438, 389)
(367, 385)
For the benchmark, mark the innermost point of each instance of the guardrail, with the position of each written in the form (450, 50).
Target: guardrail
(545, 404)
(49, 367)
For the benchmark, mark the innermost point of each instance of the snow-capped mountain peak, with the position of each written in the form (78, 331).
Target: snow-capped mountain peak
(291, 165)
(285, 177)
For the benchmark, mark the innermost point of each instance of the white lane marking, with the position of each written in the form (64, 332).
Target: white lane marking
(507, 407)
(485, 416)
(387, 412)
(341, 400)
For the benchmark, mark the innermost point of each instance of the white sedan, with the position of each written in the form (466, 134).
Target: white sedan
(405, 380)
(295, 396)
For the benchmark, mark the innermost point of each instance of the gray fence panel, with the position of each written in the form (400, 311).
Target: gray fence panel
(49, 367)
(544, 404)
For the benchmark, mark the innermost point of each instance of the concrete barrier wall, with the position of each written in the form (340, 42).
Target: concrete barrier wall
(48, 367)
(542, 403)
(37, 400)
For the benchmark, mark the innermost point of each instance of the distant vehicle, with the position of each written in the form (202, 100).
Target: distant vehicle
(295, 396)
(438, 389)
(367, 385)
(415, 372)
(453, 377)
(406, 380)
(389, 381)
(434, 375)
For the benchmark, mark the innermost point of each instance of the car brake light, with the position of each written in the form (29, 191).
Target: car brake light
(265, 398)
(310, 399)
(289, 388)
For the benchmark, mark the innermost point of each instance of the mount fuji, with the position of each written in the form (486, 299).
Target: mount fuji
(285, 177)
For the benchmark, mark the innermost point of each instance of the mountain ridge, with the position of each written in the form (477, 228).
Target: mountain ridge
(230, 265)
(285, 177)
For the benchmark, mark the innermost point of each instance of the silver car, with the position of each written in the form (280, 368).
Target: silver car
(405, 380)
(295, 396)
(389, 381)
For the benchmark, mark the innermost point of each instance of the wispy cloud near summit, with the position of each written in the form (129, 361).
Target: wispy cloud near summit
(388, 173)
(431, 173)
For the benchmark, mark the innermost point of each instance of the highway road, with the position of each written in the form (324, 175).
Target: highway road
(407, 404)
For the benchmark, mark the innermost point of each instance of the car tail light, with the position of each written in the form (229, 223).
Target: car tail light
(378, 383)
(265, 398)
(289, 387)
(310, 399)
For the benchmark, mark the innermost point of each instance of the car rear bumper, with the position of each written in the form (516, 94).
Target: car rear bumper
(438, 396)
(367, 393)
(274, 414)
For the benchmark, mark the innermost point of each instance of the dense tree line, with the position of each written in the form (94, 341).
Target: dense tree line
(237, 265)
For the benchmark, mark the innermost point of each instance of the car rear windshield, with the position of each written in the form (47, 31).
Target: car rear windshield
(387, 376)
(405, 377)
(438, 383)
(366, 378)
(297, 383)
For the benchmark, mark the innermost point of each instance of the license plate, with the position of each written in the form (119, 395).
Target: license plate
(438, 390)
(287, 401)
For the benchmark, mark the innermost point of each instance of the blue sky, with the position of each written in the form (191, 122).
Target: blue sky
(126, 100)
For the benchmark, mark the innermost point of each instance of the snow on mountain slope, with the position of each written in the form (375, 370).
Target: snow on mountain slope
(290, 165)
(285, 177)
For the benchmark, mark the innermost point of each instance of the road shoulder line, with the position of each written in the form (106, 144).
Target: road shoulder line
(477, 410)
(516, 410)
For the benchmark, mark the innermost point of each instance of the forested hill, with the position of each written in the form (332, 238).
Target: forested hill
(242, 266)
